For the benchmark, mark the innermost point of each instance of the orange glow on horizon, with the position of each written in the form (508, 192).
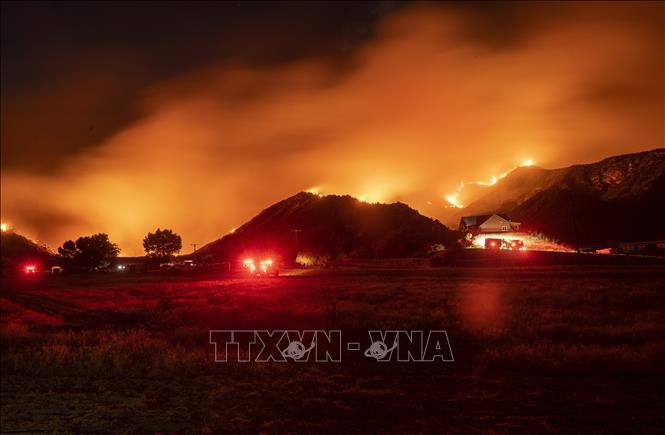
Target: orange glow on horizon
(426, 98)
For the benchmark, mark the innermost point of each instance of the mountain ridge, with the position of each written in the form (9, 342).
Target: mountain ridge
(334, 226)
(615, 199)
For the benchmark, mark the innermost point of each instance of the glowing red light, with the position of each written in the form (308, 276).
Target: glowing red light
(263, 267)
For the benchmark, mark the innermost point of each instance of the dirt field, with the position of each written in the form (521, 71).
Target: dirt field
(549, 349)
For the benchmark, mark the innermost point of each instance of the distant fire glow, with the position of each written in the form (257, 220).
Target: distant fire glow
(4, 227)
(454, 199)
(315, 190)
(400, 104)
(373, 197)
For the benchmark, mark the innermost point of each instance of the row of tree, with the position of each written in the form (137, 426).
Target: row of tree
(96, 252)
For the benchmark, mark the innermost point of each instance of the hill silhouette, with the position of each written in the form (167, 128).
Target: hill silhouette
(333, 227)
(617, 199)
(18, 250)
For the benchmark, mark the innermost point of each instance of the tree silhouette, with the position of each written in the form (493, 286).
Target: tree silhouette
(88, 253)
(162, 244)
(67, 254)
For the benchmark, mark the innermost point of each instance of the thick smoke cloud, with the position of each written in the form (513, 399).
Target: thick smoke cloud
(431, 100)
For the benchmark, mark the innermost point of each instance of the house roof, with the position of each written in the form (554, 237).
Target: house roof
(470, 221)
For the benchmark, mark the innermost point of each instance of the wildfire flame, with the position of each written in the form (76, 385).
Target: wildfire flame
(454, 198)
(315, 190)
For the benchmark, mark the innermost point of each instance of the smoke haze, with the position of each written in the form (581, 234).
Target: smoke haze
(431, 97)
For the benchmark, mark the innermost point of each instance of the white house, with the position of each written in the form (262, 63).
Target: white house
(489, 223)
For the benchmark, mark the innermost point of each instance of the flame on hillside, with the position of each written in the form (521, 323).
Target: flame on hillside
(454, 200)
(315, 190)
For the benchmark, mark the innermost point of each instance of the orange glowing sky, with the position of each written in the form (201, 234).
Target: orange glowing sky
(422, 102)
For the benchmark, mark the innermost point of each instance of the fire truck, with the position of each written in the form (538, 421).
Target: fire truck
(264, 267)
(496, 243)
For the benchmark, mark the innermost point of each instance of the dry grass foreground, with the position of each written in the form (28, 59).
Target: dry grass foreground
(542, 349)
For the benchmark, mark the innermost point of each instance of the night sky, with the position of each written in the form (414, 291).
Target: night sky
(122, 117)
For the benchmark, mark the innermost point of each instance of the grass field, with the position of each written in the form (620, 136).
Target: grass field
(548, 349)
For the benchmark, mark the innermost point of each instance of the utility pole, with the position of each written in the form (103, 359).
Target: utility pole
(297, 233)
(576, 233)
(194, 245)
(573, 219)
